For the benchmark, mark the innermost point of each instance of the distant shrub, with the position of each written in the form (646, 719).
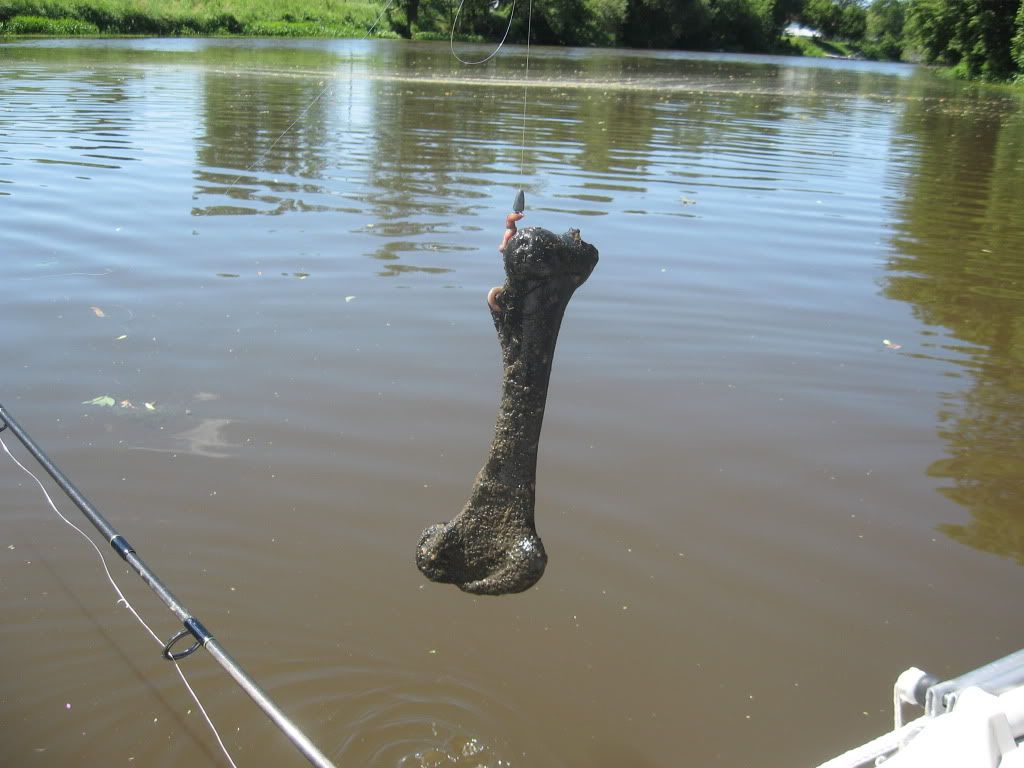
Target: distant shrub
(285, 28)
(428, 34)
(264, 28)
(40, 25)
(885, 49)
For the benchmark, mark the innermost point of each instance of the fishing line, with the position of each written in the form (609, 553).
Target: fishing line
(492, 54)
(121, 597)
(526, 82)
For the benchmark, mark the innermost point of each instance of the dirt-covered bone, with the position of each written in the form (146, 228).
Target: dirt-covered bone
(491, 547)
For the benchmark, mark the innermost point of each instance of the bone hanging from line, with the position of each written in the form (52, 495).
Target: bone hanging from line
(492, 547)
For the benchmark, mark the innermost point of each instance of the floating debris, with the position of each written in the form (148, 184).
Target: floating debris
(891, 345)
(98, 312)
(104, 400)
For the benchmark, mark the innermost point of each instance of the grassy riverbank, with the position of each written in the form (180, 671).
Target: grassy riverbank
(819, 48)
(286, 18)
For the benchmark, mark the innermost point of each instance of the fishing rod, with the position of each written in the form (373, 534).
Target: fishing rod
(191, 625)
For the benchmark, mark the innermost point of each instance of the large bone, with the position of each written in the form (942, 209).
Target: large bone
(491, 547)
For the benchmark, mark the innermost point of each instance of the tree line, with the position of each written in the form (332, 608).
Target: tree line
(981, 39)
(976, 38)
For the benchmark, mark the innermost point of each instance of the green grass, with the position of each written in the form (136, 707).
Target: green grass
(265, 18)
(40, 25)
(806, 46)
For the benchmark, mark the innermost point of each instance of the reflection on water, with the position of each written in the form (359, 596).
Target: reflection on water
(205, 439)
(87, 121)
(732, 458)
(960, 234)
(265, 142)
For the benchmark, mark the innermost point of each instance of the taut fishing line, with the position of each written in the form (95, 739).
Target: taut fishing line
(492, 54)
(121, 597)
(526, 83)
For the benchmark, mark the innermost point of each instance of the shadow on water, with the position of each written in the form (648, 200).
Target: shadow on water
(960, 264)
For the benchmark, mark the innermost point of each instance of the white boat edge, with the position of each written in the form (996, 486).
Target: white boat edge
(973, 721)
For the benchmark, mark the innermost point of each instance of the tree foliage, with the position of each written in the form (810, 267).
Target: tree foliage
(846, 19)
(979, 38)
(747, 25)
(884, 28)
(976, 37)
(1017, 49)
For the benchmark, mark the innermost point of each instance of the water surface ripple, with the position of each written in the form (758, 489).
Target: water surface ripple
(782, 450)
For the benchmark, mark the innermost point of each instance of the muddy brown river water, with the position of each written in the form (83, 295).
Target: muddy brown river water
(783, 448)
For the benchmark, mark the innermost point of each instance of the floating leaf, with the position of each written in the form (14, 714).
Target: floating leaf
(98, 312)
(105, 400)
